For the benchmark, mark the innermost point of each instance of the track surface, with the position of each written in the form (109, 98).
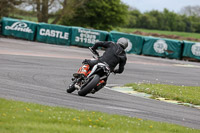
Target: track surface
(40, 73)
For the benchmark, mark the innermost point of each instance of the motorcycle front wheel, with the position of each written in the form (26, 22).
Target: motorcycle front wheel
(90, 85)
(71, 88)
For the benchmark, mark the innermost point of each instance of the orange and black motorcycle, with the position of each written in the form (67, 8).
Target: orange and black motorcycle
(90, 80)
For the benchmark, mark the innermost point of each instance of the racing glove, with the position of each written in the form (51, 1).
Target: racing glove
(94, 51)
(116, 71)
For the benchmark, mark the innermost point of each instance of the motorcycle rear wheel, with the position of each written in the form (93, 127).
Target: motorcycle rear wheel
(88, 88)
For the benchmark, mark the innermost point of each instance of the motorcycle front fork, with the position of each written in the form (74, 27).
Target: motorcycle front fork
(77, 82)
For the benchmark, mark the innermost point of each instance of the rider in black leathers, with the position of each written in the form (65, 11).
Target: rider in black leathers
(114, 54)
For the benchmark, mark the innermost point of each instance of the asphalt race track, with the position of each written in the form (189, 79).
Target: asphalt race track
(39, 73)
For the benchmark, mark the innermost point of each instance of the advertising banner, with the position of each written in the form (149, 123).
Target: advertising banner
(87, 37)
(18, 28)
(54, 34)
(162, 47)
(0, 27)
(191, 49)
(135, 42)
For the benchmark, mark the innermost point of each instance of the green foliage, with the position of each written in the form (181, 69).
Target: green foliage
(98, 14)
(165, 20)
(188, 94)
(19, 117)
(7, 6)
(132, 18)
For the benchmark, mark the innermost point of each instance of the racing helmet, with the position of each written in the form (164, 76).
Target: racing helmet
(123, 42)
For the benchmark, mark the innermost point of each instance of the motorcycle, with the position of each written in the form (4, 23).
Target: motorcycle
(93, 82)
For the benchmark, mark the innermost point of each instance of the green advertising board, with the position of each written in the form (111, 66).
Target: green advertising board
(0, 27)
(87, 37)
(135, 42)
(162, 47)
(191, 49)
(18, 28)
(54, 34)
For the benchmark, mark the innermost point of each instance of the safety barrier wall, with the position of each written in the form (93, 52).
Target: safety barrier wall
(135, 42)
(162, 47)
(79, 36)
(18, 28)
(191, 49)
(0, 27)
(53, 34)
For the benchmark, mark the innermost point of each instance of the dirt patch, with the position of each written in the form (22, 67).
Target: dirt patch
(166, 36)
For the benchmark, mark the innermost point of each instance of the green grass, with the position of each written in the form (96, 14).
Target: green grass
(20, 117)
(29, 18)
(188, 94)
(24, 17)
(183, 34)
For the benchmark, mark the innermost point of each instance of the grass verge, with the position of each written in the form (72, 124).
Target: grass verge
(182, 34)
(29, 18)
(20, 117)
(187, 94)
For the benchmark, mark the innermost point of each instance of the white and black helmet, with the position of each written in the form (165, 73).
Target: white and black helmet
(123, 42)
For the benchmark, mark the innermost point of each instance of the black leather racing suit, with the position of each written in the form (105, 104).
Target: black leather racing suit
(114, 54)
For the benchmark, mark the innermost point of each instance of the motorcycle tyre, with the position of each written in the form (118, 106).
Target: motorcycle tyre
(88, 88)
(71, 88)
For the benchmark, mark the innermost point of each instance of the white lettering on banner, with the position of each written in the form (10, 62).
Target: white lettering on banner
(85, 40)
(87, 36)
(19, 26)
(160, 46)
(88, 32)
(196, 49)
(54, 33)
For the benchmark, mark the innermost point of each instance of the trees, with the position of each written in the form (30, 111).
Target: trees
(39, 7)
(6, 6)
(68, 8)
(165, 20)
(159, 23)
(44, 9)
(99, 14)
(133, 14)
(147, 21)
(102, 14)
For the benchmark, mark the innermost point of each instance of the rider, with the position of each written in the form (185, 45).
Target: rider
(114, 55)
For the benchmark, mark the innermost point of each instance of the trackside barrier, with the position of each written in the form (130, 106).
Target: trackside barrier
(18, 28)
(191, 49)
(83, 37)
(162, 47)
(0, 27)
(87, 37)
(54, 34)
(135, 42)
